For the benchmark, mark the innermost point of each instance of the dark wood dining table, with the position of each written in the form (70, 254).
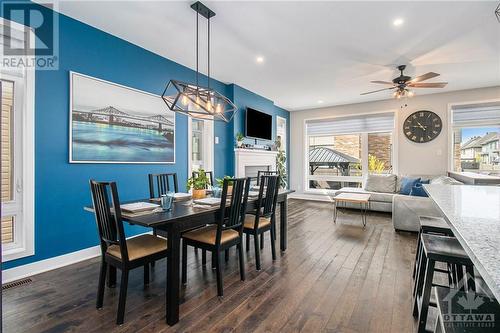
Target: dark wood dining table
(182, 217)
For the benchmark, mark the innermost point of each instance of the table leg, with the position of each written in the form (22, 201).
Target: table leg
(283, 224)
(173, 281)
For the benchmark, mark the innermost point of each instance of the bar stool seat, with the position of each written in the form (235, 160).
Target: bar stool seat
(450, 306)
(435, 249)
(430, 225)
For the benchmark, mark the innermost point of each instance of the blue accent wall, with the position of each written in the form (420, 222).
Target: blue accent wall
(61, 188)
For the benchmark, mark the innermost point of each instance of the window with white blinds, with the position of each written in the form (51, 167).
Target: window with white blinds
(17, 150)
(485, 113)
(380, 122)
(342, 151)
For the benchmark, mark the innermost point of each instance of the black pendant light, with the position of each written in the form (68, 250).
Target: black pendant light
(195, 100)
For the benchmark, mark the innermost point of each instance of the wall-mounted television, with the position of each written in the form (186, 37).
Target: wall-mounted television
(258, 125)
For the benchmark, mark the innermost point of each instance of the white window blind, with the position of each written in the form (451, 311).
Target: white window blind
(487, 113)
(380, 122)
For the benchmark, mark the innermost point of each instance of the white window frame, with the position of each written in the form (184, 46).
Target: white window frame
(24, 240)
(364, 150)
(208, 145)
(451, 128)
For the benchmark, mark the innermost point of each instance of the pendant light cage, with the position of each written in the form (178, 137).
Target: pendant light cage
(195, 100)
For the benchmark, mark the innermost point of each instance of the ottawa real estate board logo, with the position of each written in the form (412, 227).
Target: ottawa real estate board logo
(29, 35)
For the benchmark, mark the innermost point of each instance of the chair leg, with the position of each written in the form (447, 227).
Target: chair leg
(262, 241)
(184, 262)
(196, 250)
(226, 255)
(257, 251)
(471, 283)
(242, 262)
(273, 247)
(218, 268)
(214, 259)
(248, 242)
(146, 274)
(153, 262)
(123, 297)
(426, 296)
(102, 283)
(203, 257)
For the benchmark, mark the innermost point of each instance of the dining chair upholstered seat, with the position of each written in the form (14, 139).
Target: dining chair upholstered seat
(140, 246)
(208, 235)
(250, 221)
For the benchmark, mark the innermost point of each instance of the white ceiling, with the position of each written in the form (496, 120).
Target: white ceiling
(314, 51)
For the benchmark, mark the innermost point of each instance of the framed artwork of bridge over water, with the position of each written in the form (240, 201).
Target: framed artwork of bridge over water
(111, 123)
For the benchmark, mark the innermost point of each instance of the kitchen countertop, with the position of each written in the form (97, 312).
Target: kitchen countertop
(473, 213)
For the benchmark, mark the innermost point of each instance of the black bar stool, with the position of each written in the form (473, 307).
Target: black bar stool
(430, 225)
(438, 249)
(482, 313)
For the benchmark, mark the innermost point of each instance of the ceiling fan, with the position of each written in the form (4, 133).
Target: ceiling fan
(402, 83)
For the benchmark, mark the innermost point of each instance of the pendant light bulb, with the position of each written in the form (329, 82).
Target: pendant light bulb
(185, 100)
(218, 108)
(209, 106)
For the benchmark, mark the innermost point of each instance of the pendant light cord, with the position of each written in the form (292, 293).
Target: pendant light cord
(197, 72)
(208, 52)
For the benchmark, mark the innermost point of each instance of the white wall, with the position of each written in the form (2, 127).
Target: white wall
(412, 158)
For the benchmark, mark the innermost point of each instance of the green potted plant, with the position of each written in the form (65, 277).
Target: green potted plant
(281, 165)
(239, 139)
(198, 185)
(220, 183)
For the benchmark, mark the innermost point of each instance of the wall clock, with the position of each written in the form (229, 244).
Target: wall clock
(422, 126)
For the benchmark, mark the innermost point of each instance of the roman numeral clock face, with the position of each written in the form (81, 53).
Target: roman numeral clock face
(422, 126)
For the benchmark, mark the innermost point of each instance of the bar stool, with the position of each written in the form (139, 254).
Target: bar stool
(450, 307)
(437, 249)
(430, 225)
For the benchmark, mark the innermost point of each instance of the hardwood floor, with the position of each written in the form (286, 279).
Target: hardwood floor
(333, 278)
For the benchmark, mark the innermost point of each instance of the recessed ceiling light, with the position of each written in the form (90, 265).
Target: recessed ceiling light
(320, 101)
(259, 59)
(398, 22)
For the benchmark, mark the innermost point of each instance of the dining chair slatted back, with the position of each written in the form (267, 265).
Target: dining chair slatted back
(265, 173)
(161, 183)
(232, 215)
(268, 195)
(109, 225)
(209, 174)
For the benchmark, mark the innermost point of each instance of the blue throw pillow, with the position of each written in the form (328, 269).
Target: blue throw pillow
(407, 184)
(418, 190)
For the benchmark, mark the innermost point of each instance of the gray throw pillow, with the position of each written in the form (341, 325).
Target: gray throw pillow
(381, 183)
(444, 180)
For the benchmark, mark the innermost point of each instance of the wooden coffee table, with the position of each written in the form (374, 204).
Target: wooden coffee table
(341, 200)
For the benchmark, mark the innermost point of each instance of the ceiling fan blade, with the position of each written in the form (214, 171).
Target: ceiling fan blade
(371, 92)
(428, 85)
(383, 82)
(424, 77)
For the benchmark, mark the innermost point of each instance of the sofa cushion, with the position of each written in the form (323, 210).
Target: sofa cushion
(374, 196)
(407, 184)
(381, 183)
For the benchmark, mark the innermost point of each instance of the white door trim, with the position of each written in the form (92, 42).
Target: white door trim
(208, 145)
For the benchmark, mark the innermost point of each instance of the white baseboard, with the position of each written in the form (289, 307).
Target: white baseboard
(46, 265)
(313, 197)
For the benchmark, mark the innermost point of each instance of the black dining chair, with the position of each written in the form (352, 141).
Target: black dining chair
(218, 238)
(161, 183)
(266, 173)
(116, 251)
(209, 174)
(263, 218)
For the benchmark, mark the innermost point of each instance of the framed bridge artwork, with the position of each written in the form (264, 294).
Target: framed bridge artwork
(111, 123)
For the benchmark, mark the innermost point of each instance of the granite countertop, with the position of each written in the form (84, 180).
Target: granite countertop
(473, 213)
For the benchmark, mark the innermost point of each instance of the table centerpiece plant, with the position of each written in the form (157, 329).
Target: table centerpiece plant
(198, 185)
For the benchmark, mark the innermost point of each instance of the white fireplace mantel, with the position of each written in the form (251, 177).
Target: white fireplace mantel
(253, 157)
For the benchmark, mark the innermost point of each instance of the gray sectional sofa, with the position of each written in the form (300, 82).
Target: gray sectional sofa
(405, 209)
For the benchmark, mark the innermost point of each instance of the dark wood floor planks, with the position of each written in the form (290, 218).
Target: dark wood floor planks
(333, 278)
